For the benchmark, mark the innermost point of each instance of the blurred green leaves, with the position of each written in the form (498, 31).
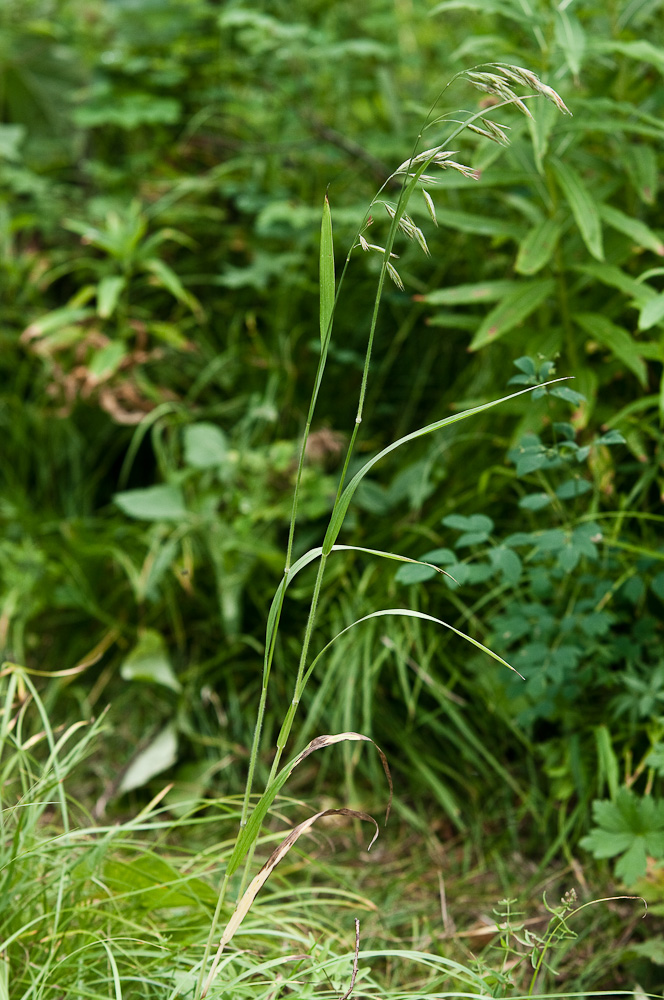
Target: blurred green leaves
(630, 828)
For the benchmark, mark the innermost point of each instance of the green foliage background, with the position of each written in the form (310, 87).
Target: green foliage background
(163, 165)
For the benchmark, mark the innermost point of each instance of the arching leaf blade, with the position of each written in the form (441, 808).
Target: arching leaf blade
(341, 508)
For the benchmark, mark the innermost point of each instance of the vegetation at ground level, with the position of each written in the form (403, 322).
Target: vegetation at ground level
(207, 211)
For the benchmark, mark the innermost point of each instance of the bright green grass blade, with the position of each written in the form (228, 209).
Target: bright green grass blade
(583, 206)
(304, 561)
(117, 986)
(341, 508)
(513, 309)
(408, 613)
(326, 273)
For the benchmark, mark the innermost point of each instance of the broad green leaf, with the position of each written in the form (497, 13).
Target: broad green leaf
(326, 273)
(536, 249)
(452, 321)
(507, 562)
(573, 488)
(161, 754)
(643, 169)
(478, 572)
(439, 556)
(414, 574)
(550, 541)
(481, 225)
(535, 501)
(655, 759)
(569, 395)
(571, 39)
(611, 437)
(657, 585)
(205, 446)
(630, 826)
(11, 137)
(106, 361)
(526, 365)
(149, 661)
(483, 291)
(618, 341)
(511, 311)
(640, 234)
(169, 333)
(483, 6)
(652, 312)
(156, 884)
(458, 575)
(373, 497)
(470, 538)
(540, 127)
(531, 460)
(155, 503)
(583, 206)
(653, 950)
(615, 278)
(109, 290)
(475, 522)
(166, 277)
(127, 111)
(641, 50)
(55, 320)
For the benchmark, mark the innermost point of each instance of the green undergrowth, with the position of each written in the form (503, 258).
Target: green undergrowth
(123, 908)
(239, 567)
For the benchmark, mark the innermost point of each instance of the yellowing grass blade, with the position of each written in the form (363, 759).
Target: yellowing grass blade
(259, 881)
(252, 829)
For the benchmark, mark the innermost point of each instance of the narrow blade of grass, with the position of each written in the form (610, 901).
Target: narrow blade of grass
(326, 273)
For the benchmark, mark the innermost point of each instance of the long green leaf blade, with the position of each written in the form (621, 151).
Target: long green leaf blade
(536, 249)
(612, 276)
(341, 508)
(513, 309)
(652, 312)
(462, 295)
(618, 341)
(326, 273)
(306, 560)
(637, 231)
(583, 206)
